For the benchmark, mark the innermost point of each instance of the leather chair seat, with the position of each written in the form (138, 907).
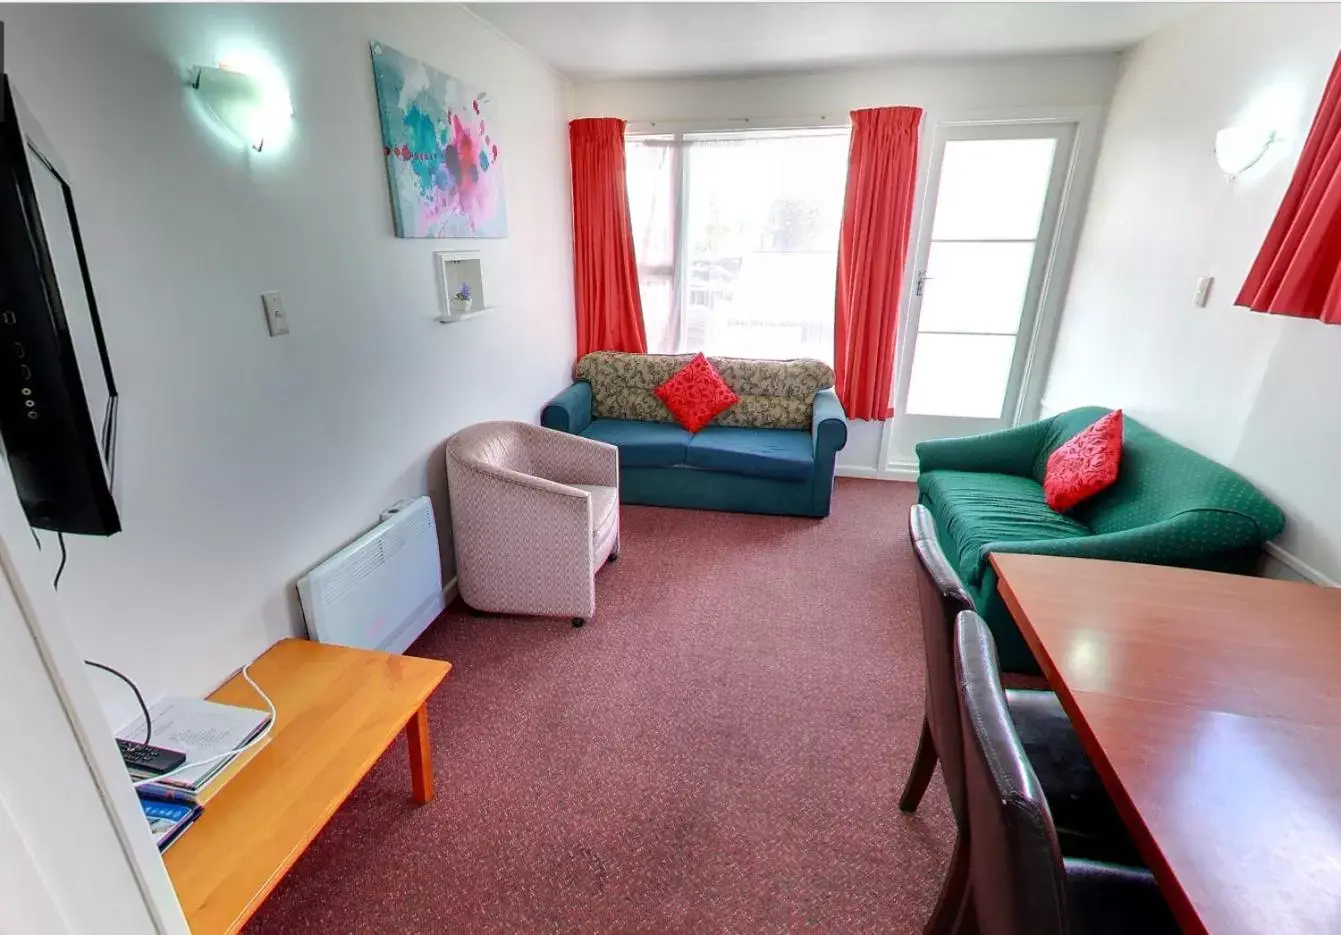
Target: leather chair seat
(1088, 824)
(1106, 899)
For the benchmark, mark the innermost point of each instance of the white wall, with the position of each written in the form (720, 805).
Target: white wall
(244, 459)
(946, 91)
(1256, 392)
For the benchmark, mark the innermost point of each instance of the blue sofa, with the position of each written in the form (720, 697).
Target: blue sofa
(773, 452)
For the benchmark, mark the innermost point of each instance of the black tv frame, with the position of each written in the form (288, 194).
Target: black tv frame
(63, 466)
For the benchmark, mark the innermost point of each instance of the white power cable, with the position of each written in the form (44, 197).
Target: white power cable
(265, 732)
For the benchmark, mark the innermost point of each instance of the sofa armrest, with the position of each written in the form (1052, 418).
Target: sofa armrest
(1176, 540)
(570, 411)
(828, 424)
(1009, 451)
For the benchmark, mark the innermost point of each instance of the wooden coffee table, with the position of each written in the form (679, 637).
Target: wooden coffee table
(339, 709)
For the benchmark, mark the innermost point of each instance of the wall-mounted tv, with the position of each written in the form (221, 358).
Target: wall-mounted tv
(58, 400)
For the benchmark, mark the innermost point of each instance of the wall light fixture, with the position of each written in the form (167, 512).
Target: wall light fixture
(252, 109)
(1238, 149)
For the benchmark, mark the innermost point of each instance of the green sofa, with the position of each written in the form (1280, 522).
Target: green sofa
(1169, 506)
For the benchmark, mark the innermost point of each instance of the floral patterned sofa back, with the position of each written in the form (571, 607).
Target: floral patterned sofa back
(774, 394)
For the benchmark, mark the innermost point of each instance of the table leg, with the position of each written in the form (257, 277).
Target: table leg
(421, 756)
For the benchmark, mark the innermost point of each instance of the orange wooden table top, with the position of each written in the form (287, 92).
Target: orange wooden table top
(339, 709)
(1211, 707)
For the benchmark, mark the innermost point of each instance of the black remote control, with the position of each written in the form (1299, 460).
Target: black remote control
(147, 759)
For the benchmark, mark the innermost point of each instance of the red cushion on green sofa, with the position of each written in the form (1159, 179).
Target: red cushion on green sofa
(696, 394)
(1085, 465)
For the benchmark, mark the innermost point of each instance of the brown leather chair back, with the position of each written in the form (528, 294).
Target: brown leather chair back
(1016, 873)
(941, 597)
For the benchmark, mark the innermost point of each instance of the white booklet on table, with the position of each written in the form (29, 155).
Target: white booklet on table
(200, 729)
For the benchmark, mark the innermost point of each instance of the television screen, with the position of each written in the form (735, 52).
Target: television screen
(69, 271)
(58, 401)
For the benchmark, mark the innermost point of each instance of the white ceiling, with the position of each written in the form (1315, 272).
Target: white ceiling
(609, 40)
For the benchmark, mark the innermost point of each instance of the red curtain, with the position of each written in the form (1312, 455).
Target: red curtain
(609, 307)
(1298, 270)
(872, 248)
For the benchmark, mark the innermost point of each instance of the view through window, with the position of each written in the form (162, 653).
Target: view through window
(736, 236)
(988, 212)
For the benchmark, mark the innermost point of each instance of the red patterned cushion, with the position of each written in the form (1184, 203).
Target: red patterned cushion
(696, 394)
(1085, 465)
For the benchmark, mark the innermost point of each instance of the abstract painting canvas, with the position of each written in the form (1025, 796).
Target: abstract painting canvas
(442, 159)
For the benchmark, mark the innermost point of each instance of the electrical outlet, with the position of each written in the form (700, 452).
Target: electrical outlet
(275, 319)
(1203, 291)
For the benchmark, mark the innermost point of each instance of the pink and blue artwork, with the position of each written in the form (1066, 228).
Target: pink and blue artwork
(442, 158)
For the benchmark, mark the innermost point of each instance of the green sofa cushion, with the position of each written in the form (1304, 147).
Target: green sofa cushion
(973, 509)
(782, 454)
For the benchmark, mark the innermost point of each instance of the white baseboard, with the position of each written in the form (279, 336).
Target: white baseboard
(1300, 567)
(898, 471)
(902, 470)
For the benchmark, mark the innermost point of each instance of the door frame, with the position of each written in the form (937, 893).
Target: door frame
(898, 462)
(82, 764)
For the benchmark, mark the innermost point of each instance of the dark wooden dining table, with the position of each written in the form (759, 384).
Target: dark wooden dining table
(1210, 705)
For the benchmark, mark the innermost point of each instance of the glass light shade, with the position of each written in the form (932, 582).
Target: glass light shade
(241, 103)
(1238, 149)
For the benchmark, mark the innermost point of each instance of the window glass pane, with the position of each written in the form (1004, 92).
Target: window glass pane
(656, 296)
(651, 188)
(992, 189)
(960, 375)
(764, 212)
(975, 286)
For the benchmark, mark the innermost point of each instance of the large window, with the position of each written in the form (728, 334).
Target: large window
(736, 236)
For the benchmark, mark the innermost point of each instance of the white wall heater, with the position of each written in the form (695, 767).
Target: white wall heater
(382, 590)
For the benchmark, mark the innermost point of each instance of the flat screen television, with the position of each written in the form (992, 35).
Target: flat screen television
(58, 400)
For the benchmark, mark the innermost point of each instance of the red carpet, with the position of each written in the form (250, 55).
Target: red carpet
(720, 750)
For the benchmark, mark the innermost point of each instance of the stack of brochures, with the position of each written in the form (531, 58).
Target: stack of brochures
(167, 820)
(201, 730)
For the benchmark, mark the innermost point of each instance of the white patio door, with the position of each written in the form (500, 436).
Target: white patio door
(984, 249)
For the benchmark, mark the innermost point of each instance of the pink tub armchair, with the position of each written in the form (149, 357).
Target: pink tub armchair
(535, 514)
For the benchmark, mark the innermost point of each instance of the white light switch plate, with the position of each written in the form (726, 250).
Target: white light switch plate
(275, 318)
(1203, 291)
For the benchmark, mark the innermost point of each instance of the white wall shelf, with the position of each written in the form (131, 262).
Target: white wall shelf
(455, 272)
(464, 316)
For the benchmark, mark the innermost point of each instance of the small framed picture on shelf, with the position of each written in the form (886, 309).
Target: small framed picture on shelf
(460, 286)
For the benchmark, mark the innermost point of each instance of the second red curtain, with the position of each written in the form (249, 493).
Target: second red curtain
(605, 272)
(872, 253)
(1298, 270)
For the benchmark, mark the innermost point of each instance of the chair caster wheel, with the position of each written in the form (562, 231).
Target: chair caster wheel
(578, 621)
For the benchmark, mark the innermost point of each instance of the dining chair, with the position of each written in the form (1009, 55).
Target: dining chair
(1019, 881)
(1090, 825)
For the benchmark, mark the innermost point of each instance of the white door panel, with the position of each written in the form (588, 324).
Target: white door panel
(27, 905)
(992, 206)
